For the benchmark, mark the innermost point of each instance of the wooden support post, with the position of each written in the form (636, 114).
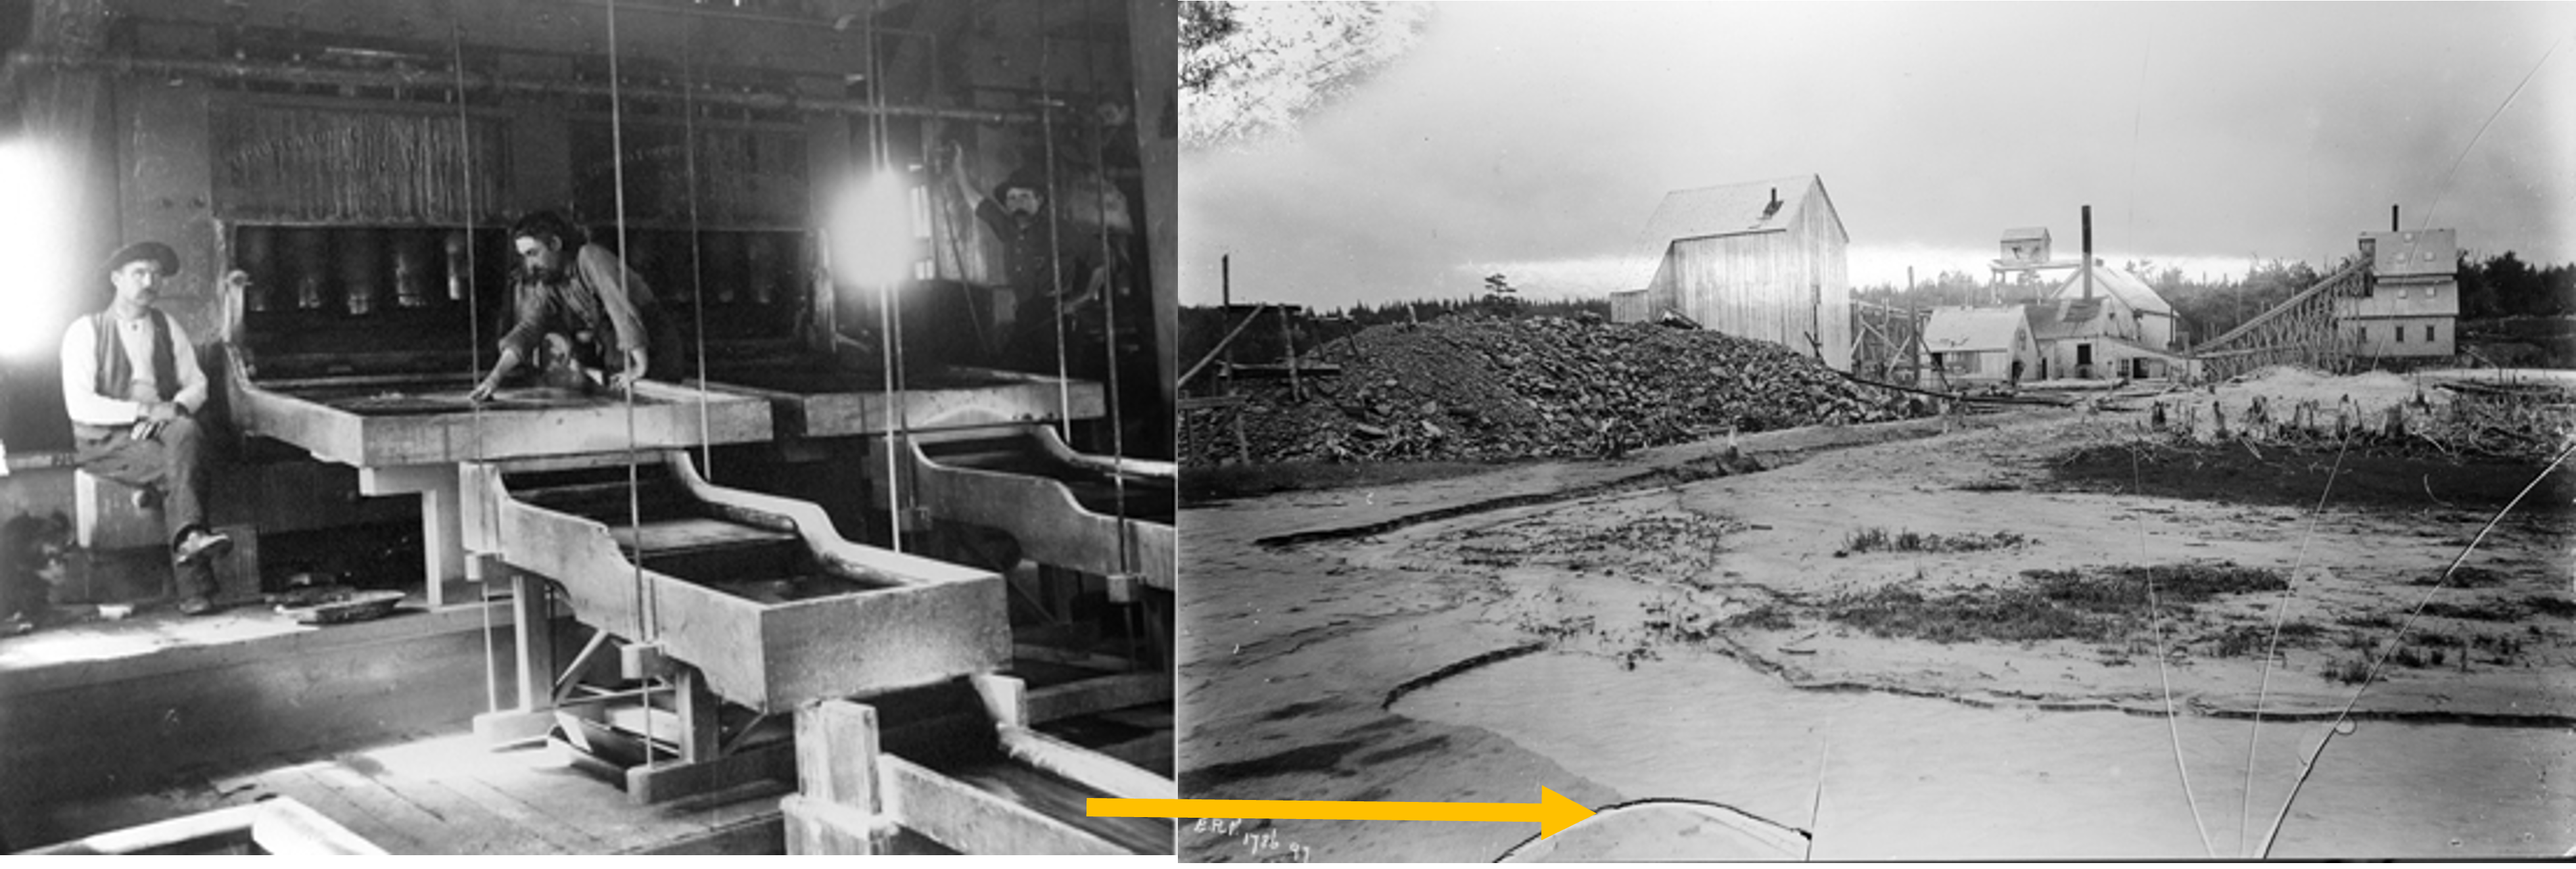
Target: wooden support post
(442, 536)
(836, 808)
(697, 708)
(1006, 698)
(701, 768)
(1288, 339)
(1242, 444)
(530, 712)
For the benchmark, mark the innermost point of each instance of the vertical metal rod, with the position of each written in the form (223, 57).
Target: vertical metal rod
(894, 297)
(1055, 250)
(644, 618)
(697, 268)
(474, 344)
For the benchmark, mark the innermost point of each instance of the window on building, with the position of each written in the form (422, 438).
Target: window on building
(2083, 354)
(2361, 333)
(2401, 333)
(2428, 333)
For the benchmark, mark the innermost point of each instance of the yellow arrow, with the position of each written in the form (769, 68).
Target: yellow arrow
(1552, 812)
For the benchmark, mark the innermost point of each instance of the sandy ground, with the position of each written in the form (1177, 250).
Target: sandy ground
(1289, 652)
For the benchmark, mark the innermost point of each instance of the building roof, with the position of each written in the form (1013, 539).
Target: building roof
(2132, 291)
(1723, 210)
(1971, 329)
(2025, 233)
(2432, 253)
(2063, 318)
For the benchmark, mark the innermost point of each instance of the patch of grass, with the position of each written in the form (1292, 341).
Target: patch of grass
(2371, 622)
(2195, 582)
(2244, 640)
(2480, 611)
(1878, 540)
(1767, 617)
(2465, 577)
(2011, 615)
(2350, 672)
(2550, 606)
(2051, 605)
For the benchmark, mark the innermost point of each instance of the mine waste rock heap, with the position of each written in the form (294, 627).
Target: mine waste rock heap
(1479, 388)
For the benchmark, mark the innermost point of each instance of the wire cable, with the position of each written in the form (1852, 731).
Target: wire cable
(2345, 714)
(2164, 671)
(2445, 189)
(1055, 251)
(2280, 610)
(644, 615)
(697, 265)
(473, 344)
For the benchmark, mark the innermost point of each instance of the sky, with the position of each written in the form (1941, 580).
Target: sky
(1535, 139)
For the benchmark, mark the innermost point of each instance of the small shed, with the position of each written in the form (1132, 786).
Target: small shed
(2025, 246)
(1981, 345)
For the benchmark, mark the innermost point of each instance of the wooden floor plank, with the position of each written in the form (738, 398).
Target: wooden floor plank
(495, 779)
(441, 821)
(374, 817)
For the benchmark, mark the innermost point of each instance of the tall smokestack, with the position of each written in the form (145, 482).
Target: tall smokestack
(2088, 252)
(2392, 218)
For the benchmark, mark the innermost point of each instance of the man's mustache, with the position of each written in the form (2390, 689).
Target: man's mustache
(540, 274)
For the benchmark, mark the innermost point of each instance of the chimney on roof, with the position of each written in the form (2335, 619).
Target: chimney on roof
(2392, 217)
(1774, 207)
(2088, 252)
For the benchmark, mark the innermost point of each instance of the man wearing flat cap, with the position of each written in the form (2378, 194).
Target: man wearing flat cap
(132, 388)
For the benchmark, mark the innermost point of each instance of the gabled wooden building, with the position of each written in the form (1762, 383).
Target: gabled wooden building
(2410, 306)
(1759, 259)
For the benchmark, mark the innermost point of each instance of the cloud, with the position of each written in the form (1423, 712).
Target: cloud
(1536, 139)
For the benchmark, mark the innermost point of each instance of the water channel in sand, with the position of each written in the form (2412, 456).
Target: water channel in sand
(1913, 777)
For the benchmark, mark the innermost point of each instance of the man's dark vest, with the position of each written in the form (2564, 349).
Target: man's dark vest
(116, 372)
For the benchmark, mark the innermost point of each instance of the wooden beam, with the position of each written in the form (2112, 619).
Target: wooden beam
(1059, 702)
(1089, 768)
(973, 821)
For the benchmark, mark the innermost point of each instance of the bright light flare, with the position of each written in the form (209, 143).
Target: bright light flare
(36, 237)
(871, 237)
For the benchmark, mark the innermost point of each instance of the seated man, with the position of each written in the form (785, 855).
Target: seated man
(131, 386)
(591, 312)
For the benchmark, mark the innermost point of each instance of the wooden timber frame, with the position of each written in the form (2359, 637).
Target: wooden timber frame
(853, 798)
(1138, 558)
(2300, 331)
(1885, 337)
(1051, 526)
(919, 621)
(1009, 395)
(424, 454)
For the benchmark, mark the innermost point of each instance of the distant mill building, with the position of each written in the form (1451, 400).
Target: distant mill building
(2411, 304)
(2397, 304)
(1760, 259)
